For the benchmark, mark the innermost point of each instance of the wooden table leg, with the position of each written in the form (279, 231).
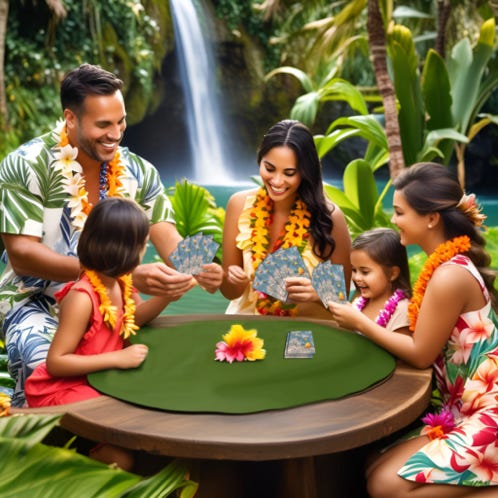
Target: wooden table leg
(298, 478)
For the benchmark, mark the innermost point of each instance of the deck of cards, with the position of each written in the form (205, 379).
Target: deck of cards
(329, 283)
(299, 344)
(194, 252)
(275, 268)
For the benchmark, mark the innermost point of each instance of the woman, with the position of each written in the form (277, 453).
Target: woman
(453, 326)
(290, 209)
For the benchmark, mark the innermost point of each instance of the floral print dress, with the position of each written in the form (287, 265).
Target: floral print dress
(464, 438)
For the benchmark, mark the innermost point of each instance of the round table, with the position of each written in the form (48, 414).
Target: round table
(296, 434)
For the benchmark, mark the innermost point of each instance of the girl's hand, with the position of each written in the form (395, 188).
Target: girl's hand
(237, 276)
(132, 356)
(300, 290)
(346, 315)
(211, 277)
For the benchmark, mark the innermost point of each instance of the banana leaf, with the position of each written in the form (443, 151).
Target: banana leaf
(31, 468)
(408, 92)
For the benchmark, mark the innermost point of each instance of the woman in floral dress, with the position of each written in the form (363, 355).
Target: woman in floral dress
(453, 324)
(290, 209)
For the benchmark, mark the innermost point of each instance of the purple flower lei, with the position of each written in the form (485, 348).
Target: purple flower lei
(386, 313)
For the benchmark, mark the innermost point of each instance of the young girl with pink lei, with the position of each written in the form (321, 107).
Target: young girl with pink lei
(453, 328)
(99, 312)
(382, 278)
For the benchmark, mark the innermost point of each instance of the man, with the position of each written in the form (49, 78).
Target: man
(47, 188)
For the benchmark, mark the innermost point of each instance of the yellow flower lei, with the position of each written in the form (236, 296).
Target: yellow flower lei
(295, 233)
(443, 252)
(80, 205)
(106, 308)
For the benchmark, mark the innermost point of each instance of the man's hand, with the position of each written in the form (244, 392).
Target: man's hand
(211, 277)
(158, 279)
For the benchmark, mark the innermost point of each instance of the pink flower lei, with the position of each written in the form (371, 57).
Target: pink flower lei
(386, 313)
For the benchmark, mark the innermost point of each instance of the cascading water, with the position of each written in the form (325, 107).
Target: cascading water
(204, 122)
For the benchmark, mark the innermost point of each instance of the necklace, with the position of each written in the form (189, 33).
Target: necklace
(295, 233)
(108, 310)
(443, 252)
(385, 313)
(111, 178)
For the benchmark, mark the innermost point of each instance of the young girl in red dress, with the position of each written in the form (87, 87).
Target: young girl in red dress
(98, 312)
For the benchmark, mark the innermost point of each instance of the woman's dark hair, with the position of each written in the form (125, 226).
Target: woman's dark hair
(432, 188)
(113, 237)
(384, 247)
(296, 136)
(84, 81)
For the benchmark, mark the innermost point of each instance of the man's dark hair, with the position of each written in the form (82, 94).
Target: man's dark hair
(84, 81)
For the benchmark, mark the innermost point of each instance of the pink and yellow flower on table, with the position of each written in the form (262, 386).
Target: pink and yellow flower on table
(240, 344)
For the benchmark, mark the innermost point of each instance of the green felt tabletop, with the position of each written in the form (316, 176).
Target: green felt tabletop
(181, 374)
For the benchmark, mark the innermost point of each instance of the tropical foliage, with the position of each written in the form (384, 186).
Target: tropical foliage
(196, 211)
(31, 468)
(117, 34)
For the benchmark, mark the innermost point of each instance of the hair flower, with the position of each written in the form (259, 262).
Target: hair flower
(240, 344)
(469, 206)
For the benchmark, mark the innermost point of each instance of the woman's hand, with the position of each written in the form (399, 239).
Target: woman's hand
(237, 276)
(300, 290)
(131, 356)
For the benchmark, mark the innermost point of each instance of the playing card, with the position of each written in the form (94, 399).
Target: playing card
(194, 252)
(275, 268)
(299, 344)
(329, 283)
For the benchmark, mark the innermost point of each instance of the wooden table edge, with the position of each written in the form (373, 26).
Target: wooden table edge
(256, 442)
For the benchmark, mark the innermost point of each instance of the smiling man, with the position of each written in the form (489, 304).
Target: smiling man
(47, 188)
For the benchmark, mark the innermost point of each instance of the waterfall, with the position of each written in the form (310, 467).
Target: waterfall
(197, 72)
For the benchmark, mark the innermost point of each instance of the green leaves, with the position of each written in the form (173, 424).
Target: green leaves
(324, 89)
(196, 211)
(360, 201)
(30, 468)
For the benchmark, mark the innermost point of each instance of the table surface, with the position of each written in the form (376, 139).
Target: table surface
(309, 430)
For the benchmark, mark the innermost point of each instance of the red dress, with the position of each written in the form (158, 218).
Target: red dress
(42, 389)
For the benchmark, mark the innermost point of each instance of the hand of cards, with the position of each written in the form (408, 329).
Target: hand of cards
(327, 279)
(193, 252)
(275, 268)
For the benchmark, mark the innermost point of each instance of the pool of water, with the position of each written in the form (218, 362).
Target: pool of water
(489, 201)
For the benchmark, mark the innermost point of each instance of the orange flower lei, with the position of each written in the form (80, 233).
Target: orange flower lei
(80, 205)
(443, 252)
(108, 310)
(295, 233)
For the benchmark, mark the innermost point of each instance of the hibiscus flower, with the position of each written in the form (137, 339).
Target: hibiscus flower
(240, 344)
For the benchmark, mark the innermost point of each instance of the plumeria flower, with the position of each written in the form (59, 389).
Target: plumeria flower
(65, 159)
(240, 344)
(73, 184)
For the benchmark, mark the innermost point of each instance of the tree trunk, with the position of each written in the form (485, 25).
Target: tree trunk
(443, 15)
(4, 13)
(377, 43)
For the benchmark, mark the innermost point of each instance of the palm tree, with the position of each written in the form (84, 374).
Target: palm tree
(377, 43)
